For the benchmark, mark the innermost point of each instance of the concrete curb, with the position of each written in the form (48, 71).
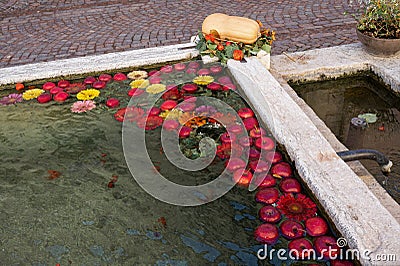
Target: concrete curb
(96, 63)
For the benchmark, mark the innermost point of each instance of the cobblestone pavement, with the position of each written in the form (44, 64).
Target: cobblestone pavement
(45, 30)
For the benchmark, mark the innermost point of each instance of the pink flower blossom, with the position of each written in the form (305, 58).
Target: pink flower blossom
(82, 106)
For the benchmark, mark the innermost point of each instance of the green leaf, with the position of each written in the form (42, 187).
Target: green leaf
(229, 51)
(369, 117)
(212, 46)
(266, 48)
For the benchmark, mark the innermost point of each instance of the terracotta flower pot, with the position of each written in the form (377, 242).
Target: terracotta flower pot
(379, 47)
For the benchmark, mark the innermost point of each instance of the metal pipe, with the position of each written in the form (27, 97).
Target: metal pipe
(377, 156)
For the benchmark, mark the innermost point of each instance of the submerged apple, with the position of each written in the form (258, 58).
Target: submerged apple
(48, 86)
(269, 214)
(316, 226)
(326, 246)
(266, 233)
(267, 195)
(268, 181)
(44, 98)
(301, 248)
(242, 177)
(292, 229)
(61, 96)
(290, 185)
(282, 169)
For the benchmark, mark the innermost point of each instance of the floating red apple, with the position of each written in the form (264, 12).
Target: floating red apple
(228, 87)
(254, 153)
(185, 132)
(170, 125)
(167, 69)
(257, 132)
(61, 96)
(266, 233)
(292, 229)
(63, 83)
(213, 86)
(187, 106)
(234, 164)
(168, 105)
(154, 111)
(227, 138)
(301, 248)
(99, 84)
(48, 86)
(261, 167)
(326, 246)
(89, 80)
(316, 226)
(193, 65)
(44, 98)
(265, 143)
(190, 98)
(269, 214)
(245, 113)
(154, 73)
(105, 77)
(242, 177)
(180, 67)
(282, 169)
(189, 88)
(268, 181)
(120, 77)
(216, 69)
(267, 195)
(191, 71)
(112, 102)
(155, 80)
(246, 142)
(203, 72)
(290, 185)
(56, 90)
(225, 80)
(250, 123)
(235, 129)
(273, 157)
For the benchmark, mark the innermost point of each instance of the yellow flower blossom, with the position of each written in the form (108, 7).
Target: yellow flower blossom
(203, 80)
(139, 83)
(32, 94)
(88, 94)
(137, 75)
(155, 88)
(169, 115)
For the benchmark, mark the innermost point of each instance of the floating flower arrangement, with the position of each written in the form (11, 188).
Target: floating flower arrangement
(290, 219)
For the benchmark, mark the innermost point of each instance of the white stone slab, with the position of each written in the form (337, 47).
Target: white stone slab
(336, 61)
(96, 63)
(356, 212)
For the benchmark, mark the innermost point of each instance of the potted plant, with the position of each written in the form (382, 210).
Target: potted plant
(378, 27)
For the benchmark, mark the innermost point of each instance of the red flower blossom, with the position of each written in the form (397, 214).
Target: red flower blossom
(74, 88)
(172, 94)
(132, 114)
(152, 122)
(299, 208)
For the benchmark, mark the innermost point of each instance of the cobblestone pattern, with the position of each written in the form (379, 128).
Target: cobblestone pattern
(44, 30)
